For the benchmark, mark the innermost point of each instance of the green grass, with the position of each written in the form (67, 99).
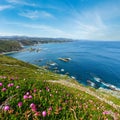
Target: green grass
(110, 97)
(58, 101)
(9, 45)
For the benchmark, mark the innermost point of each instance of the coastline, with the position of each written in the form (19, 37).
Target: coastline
(107, 90)
(111, 92)
(10, 52)
(115, 93)
(5, 53)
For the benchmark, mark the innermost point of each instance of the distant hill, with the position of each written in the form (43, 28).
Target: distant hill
(8, 46)
(15, 43)
(40, 39)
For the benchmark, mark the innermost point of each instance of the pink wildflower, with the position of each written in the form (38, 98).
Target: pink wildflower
(32, 105)
(66, 101)
(44, 113)
(27, 93)
(106, 112)
(3, 77)
(20, 104)
(35, 90)
(25, 97)
(50, 108)
(37, 114)
(6, 108)
(30, 96)
(4, 89)
(34, 109)
(11, 78)
(47, 89)
(60, 108)
(17, 87)
(10, 84)
(1, 84)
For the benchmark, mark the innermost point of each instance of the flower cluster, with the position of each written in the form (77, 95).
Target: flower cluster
(43, 100)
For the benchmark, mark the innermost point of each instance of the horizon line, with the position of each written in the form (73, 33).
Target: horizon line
(56, 38)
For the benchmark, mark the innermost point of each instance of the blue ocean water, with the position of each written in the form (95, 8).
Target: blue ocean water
(92, 63)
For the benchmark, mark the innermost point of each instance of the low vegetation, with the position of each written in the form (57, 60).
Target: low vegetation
(7, 46)
(30, 93)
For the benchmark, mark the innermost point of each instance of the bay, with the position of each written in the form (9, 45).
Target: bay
(94, 63)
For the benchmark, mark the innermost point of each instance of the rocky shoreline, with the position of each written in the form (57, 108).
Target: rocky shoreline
(115, 93)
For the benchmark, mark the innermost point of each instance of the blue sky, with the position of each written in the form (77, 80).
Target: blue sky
(79, 19)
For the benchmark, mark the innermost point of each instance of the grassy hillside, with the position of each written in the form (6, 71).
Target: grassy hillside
(32, 93)
(7, 46)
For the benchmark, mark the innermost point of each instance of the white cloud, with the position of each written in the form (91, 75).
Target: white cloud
(37, 30)
(21, 2)
(46, 14)
(48, 30)
(10, 34)
(32, 4)
(95, 23)
(109, 10)
(36, 14)
(4, 7)
(88, 25)
(13, 1)
(30, 14)
(45, 28)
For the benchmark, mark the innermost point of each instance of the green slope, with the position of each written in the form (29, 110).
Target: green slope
(55, 97)
(8, 46)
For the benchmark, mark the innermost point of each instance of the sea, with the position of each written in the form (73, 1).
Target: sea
(92, 63)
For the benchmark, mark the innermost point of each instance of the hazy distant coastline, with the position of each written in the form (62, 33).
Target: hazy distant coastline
(16, 43)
